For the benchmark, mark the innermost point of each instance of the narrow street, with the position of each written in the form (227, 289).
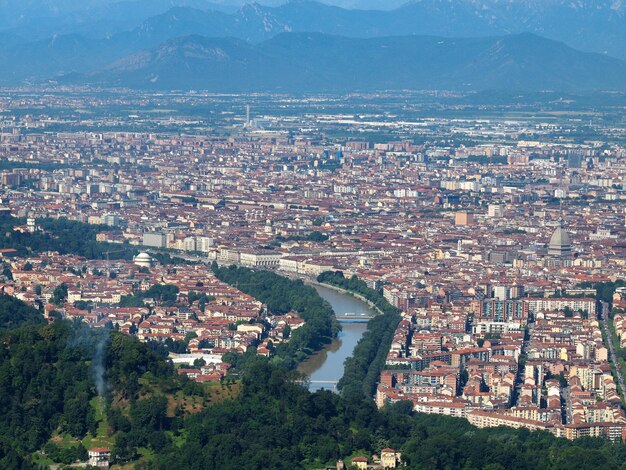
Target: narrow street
(566, 405)
(521, 375)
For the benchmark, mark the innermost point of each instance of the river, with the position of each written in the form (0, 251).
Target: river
(325, 367)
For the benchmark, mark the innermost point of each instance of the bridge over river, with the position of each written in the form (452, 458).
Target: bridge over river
(325, 384)
(325, 368)
(355, 317)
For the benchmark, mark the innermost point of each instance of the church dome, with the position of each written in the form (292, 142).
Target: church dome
(143, 259)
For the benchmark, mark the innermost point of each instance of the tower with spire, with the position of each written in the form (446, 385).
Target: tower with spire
(560, 244)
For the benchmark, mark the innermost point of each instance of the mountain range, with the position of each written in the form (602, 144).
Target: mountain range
(469, 44)
(589, 25)
(314, 62)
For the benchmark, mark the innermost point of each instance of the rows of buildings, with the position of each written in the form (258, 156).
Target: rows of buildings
(488, 234)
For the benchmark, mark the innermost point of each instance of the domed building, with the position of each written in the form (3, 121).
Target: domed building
(143, 260)
(560, 244)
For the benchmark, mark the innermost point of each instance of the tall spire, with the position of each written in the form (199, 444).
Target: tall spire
(562, 188)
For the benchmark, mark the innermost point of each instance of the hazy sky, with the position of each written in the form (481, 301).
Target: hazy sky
(73, 5)
(371, 4)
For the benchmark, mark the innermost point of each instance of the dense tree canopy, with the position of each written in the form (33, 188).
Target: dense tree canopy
(278, 424)
(61, 235)
(45, 384)
(14, 313)
(50, 373)
(70, 237)
(282, 295)
(49, 376)
(165, 294)
(604, 290)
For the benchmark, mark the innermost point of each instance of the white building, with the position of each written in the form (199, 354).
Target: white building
(157, 240)
(143, 260)
(99, 457)
(260, 260)
(495, 211)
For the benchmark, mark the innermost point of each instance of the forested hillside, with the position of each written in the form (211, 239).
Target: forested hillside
(278, 424)
(50, 381)
(14, 313)
(65, 386)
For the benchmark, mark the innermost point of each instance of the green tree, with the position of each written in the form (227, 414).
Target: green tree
(59, 295)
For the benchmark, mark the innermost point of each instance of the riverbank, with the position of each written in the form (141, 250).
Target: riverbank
(313, 282)
(326, 367)
(363, 368)
(346, 292)
(281, 295)
(359, 368)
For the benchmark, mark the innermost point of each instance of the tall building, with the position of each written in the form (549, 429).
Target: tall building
(495, 211)
(156, 239)
(560, 245)
(464, 218)
(501, 292)
(574, 160)
(501, 310)
(111, 220)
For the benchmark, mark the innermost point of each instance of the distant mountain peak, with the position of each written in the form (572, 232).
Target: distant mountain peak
(252, 7)
(79, 45)
(314, 62)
